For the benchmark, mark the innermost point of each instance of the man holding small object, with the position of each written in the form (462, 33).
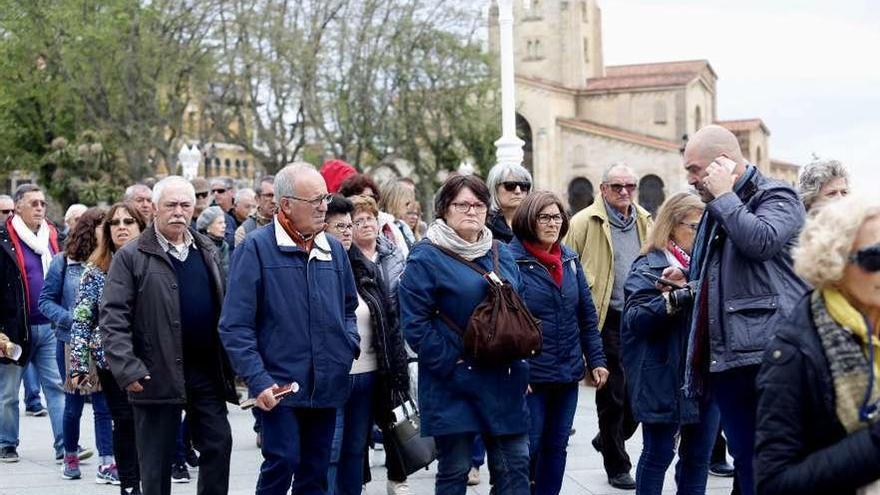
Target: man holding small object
(289, 318)
(743, 282)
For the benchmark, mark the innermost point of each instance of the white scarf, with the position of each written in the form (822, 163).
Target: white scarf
(38, 242)
(443, 235)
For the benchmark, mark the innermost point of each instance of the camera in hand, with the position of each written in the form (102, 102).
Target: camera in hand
(681, 298)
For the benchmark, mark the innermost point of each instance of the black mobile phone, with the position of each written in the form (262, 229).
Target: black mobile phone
(663, 281)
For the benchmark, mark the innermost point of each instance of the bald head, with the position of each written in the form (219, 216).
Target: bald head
(703, 148)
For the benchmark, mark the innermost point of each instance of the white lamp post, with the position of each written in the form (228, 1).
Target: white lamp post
(509, 148)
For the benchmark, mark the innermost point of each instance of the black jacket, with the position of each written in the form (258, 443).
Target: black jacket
(385, 320)
(800, 446)
(498, 225)
(13, 303)
(140, 321)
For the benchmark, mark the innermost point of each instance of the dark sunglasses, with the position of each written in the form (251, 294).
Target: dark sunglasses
(117, 221)
(6, 212)
(511, 186)
(867, 258)
(202, 195)
(218, 191)
(620, 187)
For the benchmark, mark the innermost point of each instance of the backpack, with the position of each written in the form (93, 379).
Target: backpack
(501, 329)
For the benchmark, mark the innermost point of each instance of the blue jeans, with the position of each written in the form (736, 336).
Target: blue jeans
(43, 359)
(73, 407)
(551, 408)
(32, 401)
(734, 392)
(357, 424)
(508, 463)
(296, 444)
(478, 453)
(694, 452)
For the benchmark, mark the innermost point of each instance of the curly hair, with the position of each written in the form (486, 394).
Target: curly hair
(827, 239)
(815, 175)
(82, 240)
(356, 184)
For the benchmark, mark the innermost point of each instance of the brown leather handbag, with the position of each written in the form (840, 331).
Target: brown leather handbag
(501, 329)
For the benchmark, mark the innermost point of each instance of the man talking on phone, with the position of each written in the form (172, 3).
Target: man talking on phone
(744, 283)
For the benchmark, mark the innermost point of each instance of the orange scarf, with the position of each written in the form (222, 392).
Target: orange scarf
(302, 242)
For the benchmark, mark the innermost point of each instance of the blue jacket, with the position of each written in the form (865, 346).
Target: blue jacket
(569, 324)
(289, 316)
(752, 284)
(458, 397)
(652, 345)
(59, 294)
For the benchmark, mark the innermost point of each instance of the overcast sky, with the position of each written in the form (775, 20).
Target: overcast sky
(809, 68)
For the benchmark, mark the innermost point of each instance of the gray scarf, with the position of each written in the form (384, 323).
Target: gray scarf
(441, 234)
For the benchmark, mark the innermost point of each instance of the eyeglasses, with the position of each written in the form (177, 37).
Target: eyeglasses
(315, 202)
(341, 227)
(218, 191)
(7, 212)
(692, 226)
(364, 222)
(545, 218)
(510, 186)
(202, 195)
(867, 258)
(620, 187)
(479, 208)
(118, 221)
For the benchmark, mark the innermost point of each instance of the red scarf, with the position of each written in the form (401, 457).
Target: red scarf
(552, 260)
(295, 236)
(679, 254)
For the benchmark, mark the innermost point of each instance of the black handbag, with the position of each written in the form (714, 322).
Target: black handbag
(416, 452)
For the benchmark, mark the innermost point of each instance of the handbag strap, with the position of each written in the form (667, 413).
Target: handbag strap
(473, 266)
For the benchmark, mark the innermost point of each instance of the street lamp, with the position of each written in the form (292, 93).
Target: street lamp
(509, 148)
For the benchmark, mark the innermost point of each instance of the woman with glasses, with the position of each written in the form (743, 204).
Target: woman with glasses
(509, 185)
(122, 224)
(653, 341)
(364, 185)
(819, 384)
(56, 303)
(555, 291)
(458, 398)
(379, 379)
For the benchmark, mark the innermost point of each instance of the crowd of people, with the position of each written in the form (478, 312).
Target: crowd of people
(748, 307)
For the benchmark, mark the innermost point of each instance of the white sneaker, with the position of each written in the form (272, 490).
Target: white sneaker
(398, 488)
(473, 477)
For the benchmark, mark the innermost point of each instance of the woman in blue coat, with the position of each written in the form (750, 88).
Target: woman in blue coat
(653, 340)
(459, 399)
(555, 291)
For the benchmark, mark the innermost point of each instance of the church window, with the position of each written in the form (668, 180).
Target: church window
(530, 50)
(698, 119)
(228, 165)
(660, 112)
(539, 51)
(585, 12)
(651, 194)
(586, 50)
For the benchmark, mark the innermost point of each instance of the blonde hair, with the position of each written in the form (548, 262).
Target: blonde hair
(395, 197)
(671, 213)
(363, 203)
(827, 238)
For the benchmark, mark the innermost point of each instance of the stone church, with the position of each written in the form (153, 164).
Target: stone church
(577, 115)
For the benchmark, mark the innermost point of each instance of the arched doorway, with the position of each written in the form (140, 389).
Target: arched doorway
(580, 194)
(524, 132)
(651, 194)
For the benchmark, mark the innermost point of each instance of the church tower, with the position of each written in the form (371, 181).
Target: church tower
(559, 41)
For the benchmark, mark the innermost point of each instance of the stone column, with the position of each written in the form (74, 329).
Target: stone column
(509, 148)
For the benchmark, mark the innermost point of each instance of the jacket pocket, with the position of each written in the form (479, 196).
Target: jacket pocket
(750, 322)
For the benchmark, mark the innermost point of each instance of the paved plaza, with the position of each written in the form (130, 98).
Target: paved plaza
(37, 473)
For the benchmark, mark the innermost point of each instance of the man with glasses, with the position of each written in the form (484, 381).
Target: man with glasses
(290, 318)
(266, 207)
(203, 196)
(27, 244)
(7, 208)
(158, 322)
(223, 191)
(608, 236)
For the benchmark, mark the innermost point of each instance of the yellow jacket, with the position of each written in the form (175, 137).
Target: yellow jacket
(589, 234)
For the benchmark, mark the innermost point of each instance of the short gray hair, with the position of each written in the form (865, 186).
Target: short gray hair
(286, 178)
(815, 175)
(266, 179)
(6, 197)
(223, 181)
(827, 238)
(502, 172)
(23, 189)
(134, 188)
(172, 180)
(74, 209)
(241, 194)
(207, 217)
(606, 175)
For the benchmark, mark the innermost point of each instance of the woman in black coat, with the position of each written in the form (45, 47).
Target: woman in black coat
(818, 388)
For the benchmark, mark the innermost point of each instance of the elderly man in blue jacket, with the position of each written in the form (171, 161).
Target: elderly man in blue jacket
(289, 317)
(744, 282)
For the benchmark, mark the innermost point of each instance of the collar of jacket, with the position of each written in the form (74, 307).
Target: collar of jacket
(321, 247)
(148, 243)
(656, 259)
(361, 266)
(597, 210)
(522, 255)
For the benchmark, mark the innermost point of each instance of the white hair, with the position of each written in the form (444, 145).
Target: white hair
(245, 193)
(73, 210)
(827, 238)
(134, 188)
(606, 175)
(285, 179)
(172, 180)
(817, 174)
(503, 172)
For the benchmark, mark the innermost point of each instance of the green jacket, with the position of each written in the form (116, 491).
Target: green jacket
(589, 234)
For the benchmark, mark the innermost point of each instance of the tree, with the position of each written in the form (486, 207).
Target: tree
(84, 171)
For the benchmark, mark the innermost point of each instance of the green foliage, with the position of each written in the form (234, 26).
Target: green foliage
(84, 171)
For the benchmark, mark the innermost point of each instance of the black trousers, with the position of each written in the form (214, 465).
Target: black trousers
(616, 423)
(157, 425)
(124, 444)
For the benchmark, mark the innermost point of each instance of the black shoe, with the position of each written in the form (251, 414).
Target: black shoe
(721, 469)
(597, 443)
(622, 481)
(179, 473)
(8, 454)
(132, 490)
(192, 458)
